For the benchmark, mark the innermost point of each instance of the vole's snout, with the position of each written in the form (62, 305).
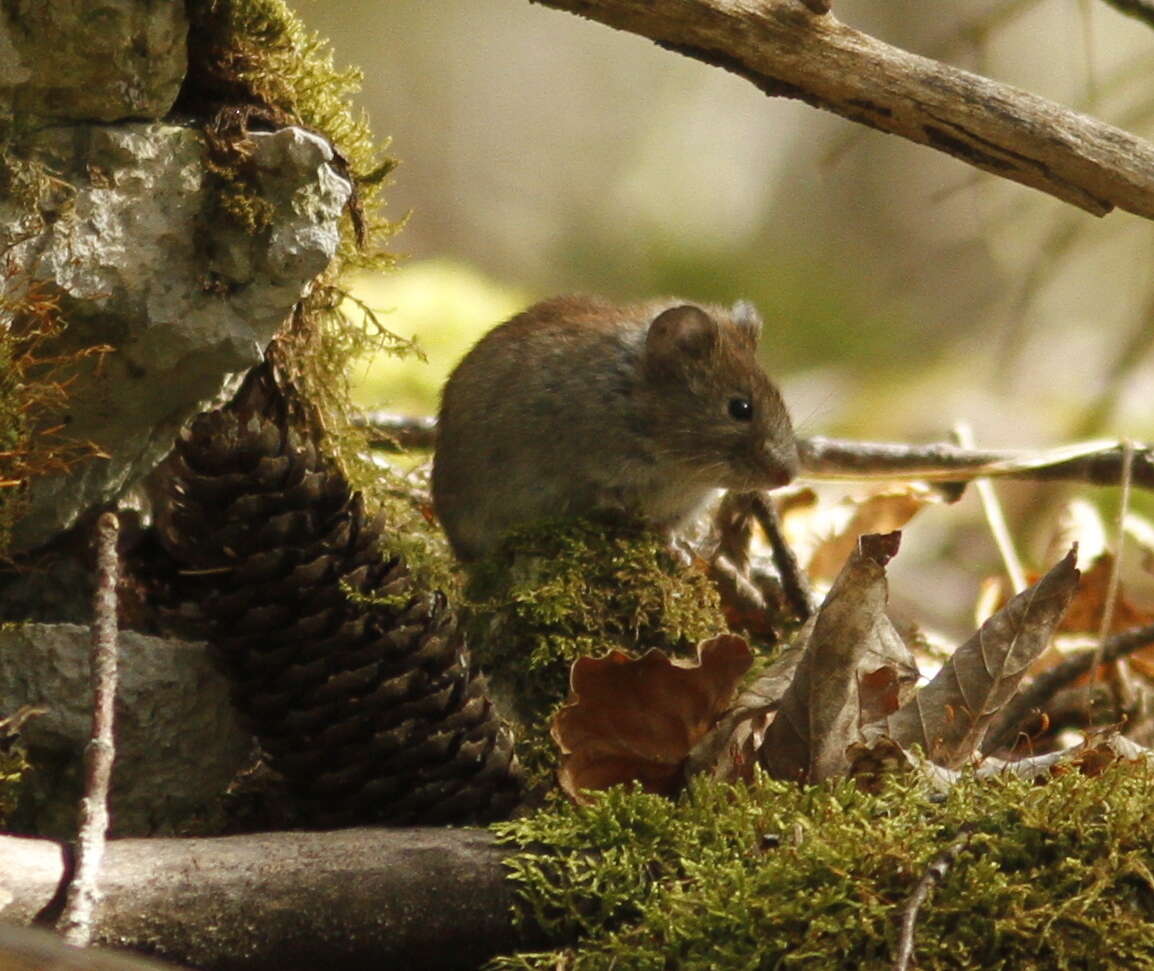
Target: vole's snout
(783, 464)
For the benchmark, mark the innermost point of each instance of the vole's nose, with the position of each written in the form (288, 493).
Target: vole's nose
(783, 464)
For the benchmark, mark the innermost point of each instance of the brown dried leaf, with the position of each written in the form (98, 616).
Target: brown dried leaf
(883, 510)
(1098, 753)
(729, 750)
(636, 719)
(949, 716)
(851, 640)
(1084, 615)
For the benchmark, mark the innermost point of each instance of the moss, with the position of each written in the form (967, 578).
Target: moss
(12, 769)
(35, 376)
(564, 590)
(773, 875)
(253, 64)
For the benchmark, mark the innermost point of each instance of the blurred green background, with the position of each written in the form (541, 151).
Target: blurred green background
(902, 291)
(542, 153)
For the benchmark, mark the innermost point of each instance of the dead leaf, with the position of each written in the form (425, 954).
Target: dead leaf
(1084, 615)
(949, 716)
(851, 638)
(837, 528)
(636, 719)
(729, 750)
(1097, 753)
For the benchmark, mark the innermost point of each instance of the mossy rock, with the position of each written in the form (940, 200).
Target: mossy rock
(564, 590)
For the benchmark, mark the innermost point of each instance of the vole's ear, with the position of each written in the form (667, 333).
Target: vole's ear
(747, 319)
(679, 333)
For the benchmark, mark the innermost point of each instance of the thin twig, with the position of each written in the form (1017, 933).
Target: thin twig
(995, 518)
(75, 922)
(934, 875)
(1116, 567)
(1097, 463)
(393, 433)
(1046, 685)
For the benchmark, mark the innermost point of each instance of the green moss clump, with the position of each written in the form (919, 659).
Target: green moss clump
(252, 63)
(777, 876)
(568, 589)
(12, 769)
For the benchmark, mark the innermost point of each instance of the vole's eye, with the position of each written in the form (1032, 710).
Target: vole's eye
(741, 409)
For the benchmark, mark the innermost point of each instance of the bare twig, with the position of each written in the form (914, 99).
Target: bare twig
(934, 875)
(1098, 463)
(788, 51)
(395, 433)
(995, 518)
(1046, 685)
(1116, 567)
(76, 921)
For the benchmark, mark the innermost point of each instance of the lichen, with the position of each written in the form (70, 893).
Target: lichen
(562, 590)
(773, 875)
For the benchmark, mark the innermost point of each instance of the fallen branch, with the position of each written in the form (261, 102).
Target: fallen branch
(358, 898)
(1048, 684)
(788, 49)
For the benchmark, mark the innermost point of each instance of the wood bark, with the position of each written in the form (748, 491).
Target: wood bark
(787, 49)
(358, 898)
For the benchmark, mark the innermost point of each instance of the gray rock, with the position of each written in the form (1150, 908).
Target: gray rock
(144, 261)
(178, 742)
(91, 60)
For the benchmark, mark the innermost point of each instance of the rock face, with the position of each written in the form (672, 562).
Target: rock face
(178, 742)
(90, 60)
(135, 244)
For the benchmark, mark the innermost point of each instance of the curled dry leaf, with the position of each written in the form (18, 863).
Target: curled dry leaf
(853, 661)
(1084, 615)
(949, 716)
(636, 719)
(827, 535)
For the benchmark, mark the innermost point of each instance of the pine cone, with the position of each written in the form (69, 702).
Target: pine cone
(355, 681)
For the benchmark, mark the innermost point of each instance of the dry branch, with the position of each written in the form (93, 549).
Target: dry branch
(1096, 463)
(357, 898)
(786, 49)
(395, 433)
